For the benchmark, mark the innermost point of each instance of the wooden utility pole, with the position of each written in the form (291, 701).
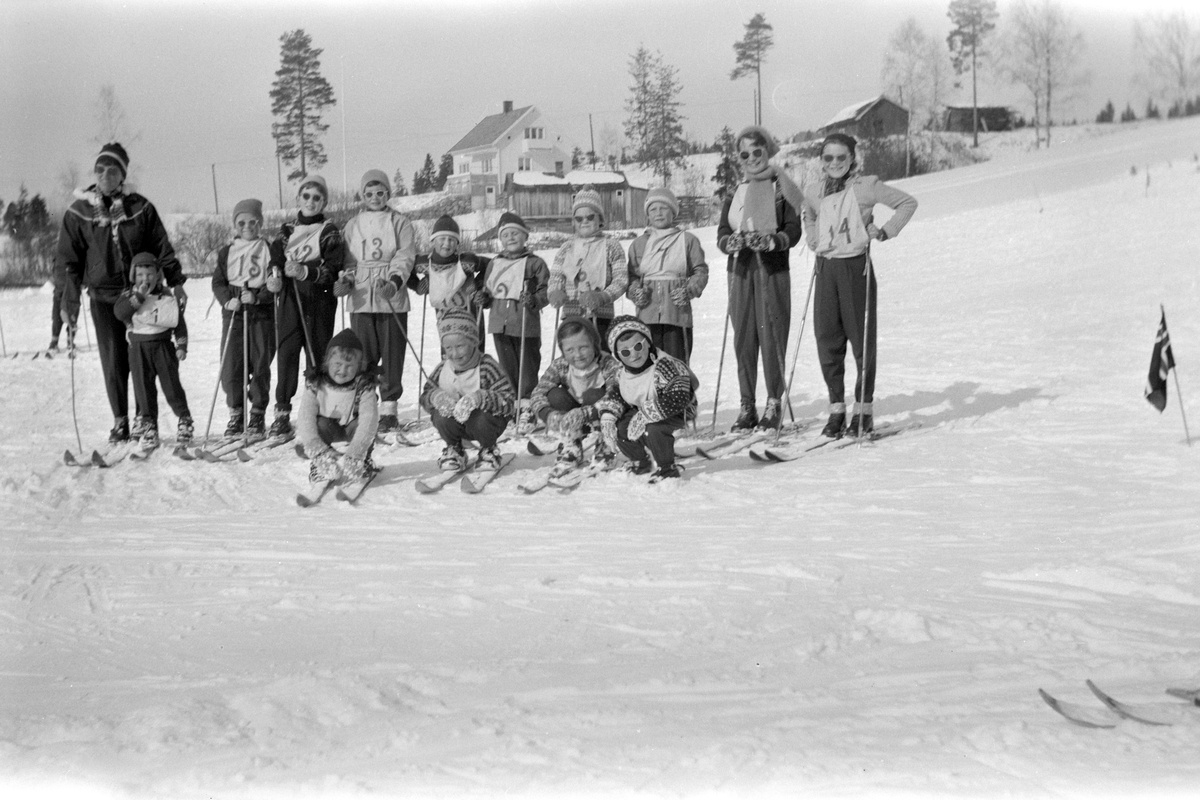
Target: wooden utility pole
(216, 205)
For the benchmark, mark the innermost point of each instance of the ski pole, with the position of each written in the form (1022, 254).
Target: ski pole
(245, 374)
(3, 346)
(521, 364)
(424, 311)
(721, 363)
(554, 343)
(228, 334)
(308, 346)
(71, 358)
(799, 338)
(407, 341)
(862, 368)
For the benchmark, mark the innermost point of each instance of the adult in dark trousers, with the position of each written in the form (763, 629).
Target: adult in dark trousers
(101, 232)
(307, 309)
(839, 204)
(757, 228)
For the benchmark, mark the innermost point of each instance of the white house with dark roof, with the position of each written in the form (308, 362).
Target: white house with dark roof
(515, 140)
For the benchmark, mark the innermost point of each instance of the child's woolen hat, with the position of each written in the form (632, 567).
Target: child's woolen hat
(761, 134)
(510, 220)
(347, 340)
(458, 323)
(142, 260)
(251, 206)
(375, 176)
(445, 226)
(317, 181)
(623, 325)
(588, 197)
(662, 195)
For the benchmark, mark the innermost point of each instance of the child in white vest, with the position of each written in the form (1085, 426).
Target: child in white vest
(153, 318)
(515, 292)
(380, 251)
(589, 272)
(239, 284)
(339, 404)
(667, 271)
(447, 276)
(468, 396)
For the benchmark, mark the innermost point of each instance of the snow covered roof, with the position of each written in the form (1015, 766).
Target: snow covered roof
(577, 177)
(537, 179)
(489, 129)
(853, 112)
(582, 177)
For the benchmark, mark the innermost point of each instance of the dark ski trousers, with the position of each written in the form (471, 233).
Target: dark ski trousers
(561, 400)
(157, 359)
(508, 353)
(840, 298)
(319, 315)
(760, 312)
(384, 340)
(673, 340)
(659, 437)
(56, 320)
(480, 427)
(114, 358)
(261, 341)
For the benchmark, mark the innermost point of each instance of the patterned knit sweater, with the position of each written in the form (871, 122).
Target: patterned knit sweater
(674, 392)
(557, 376)
(498, 395)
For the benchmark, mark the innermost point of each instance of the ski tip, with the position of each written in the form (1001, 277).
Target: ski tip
(243, 456)
(303, 501)
(69, 458)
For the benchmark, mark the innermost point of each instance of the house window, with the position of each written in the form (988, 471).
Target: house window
(535, 133)
(524, 164)
(487, 165)
(464, 167)
(558, 167)
(620, 193)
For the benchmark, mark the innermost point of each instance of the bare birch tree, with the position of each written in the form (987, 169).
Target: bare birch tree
(1169, 47)
(1042, 51)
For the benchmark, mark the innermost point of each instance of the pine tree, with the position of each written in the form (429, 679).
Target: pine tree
(576, 158)
(399, 186)
(726, 177)
(749, 55)
(445, 170)
(654, 126)
(973, 20)
(298, 98)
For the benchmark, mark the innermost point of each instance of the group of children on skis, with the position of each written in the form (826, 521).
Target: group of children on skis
(625, 378)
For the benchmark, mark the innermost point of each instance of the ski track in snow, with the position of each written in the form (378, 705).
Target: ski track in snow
(865, 621)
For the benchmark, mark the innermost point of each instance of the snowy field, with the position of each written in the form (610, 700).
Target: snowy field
(866, 622)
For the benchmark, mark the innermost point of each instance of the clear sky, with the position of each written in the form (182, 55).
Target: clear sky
(412, 76)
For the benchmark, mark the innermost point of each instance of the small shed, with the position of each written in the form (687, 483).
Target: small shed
(544, 200)
(991, 118)
(870, 119)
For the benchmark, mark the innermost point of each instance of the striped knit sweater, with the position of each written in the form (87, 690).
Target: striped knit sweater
(499, 397)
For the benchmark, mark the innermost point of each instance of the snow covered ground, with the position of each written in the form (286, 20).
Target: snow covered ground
(865, 622)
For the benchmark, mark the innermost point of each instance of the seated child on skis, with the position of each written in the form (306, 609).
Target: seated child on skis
(653, 396)
(153, 316)
(239, 284)
(339, 404)
(566, 396)
(468, 396)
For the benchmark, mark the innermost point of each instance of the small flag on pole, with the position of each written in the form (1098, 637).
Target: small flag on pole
(1162, 361)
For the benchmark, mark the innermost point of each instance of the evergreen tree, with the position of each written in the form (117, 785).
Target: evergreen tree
(973, 20)
(749, 54)
(726, 177)
(1128, 114)
(1152, 110)
(425, 179)
(445, 170)
(298, 98)
(399, 187)
(654, 126)
(576, 158)
(27, 221)
(1107, 114)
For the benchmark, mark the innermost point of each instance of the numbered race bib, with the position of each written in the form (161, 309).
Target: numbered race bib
(665, 257)
(337, 402)
(840, 229)
(586, 265)
(156, 315)
(246, 265)
(506, 277)
(445, 286)
(371, 237)
(464, 382)
(305, 243)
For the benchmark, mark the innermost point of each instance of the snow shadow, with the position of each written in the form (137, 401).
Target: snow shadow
(964, 400)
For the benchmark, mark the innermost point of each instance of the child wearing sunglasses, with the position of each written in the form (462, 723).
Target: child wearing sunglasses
(653, 396)
(838, 203)
(666, 272)
(381, 247)
(307, 308)
(757, 228)
(515, 294)
(589, 272)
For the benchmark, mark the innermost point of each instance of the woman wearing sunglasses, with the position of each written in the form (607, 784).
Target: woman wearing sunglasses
(307, 308)
(757, 229)
(839, 202)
